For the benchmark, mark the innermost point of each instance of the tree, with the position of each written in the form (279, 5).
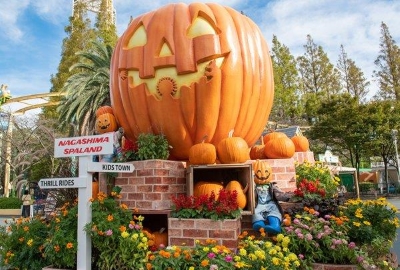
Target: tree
(383, 118)
(346, 131)
(319, 78)
(78, 39)
(388, 64)
(286, 79)
(105, 24)
(352, 77)
(88, 89)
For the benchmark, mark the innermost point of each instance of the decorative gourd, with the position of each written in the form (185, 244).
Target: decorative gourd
(233, 150)
(161, 237)
(273, 135)
(105, 120)
(185, 70)
(301, 143)
(241, 196)
(282, 147)
(206, 188)
(262, 172)
(202, 153)
(257, 151)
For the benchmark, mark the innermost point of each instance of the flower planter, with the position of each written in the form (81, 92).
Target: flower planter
(52, 268)
(327, 266)
(184, 232)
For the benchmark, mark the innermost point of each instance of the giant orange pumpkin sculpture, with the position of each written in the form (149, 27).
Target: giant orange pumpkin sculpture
(190, 70)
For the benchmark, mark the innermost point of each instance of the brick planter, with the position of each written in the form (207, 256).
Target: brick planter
(184, 232)
(325, 266)
(152, 184)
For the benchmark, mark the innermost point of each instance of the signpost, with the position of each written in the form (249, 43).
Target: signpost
(84, 147)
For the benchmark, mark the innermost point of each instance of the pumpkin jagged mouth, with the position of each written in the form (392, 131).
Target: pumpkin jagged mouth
(104, 127)
(168, 80)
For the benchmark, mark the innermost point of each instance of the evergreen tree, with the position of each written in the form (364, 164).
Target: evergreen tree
(388, 63)
(286, 106)
(88, 89)
(105, 24)
(319, 78)
(78, 39)
(352, 77)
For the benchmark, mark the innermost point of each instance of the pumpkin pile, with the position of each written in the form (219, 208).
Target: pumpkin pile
(209, 187)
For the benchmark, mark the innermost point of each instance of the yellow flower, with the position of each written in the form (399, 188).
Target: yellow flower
(275, 261)
(30, 242)
(124, 234)
(366, 222)
(243, 252)
(357, 224)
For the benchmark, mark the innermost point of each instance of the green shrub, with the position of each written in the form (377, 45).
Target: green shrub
(10, 203)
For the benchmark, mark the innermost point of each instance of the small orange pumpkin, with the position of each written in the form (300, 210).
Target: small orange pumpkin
(161, 237)
(95, 189)
(206, 188)
(282, 147)
(233, 150)
(105, 120)
(301, 143)
(262, 172)
(202, 153)
(241, 196)
(257, 151)
(273, 135)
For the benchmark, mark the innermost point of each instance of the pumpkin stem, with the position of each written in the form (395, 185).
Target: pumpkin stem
(162, 230)
(246, 188)
(262, 140)
(203, 140)
(230, 134)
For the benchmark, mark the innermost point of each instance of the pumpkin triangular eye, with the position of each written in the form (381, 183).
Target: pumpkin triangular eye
(165, 50)
(201, 27)
(139, 38)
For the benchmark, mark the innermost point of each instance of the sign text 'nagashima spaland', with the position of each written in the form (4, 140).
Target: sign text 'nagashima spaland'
(84, 145)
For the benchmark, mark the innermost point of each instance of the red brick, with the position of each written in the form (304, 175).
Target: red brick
(225, 234)
(181, 241)
(121, 181)
(175, 232)
(136, 196)
(136, 180)
(153, 180)
(208, 223)
(177, 189)
(168, 180)
(160, 188)
(195, 233)
(144, 188)
(152, 196)
(128, 188)
(143, 205)
(180, 223)
(161, 172)
(145, 172)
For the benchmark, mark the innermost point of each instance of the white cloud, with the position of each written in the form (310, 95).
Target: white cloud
(10, 11)
(54, 11)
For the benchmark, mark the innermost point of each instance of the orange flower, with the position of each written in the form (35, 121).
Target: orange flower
(110, 218)
(122, 228)
(204, 263)
(148, 266)
(57, 248)
(21, 239)
(26, 228)
(70, 245)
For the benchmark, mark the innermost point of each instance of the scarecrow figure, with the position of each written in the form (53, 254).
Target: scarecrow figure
(268, 212)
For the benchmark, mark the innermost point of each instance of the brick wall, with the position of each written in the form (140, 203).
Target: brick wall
(152, 184)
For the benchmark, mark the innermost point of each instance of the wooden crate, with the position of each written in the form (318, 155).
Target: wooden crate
(223, 173)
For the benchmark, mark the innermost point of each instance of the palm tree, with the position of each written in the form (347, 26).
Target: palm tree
(88, 89)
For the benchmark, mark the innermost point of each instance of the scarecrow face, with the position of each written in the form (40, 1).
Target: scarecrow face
(262, 172)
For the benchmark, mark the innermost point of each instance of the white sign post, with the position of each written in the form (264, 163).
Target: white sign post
(84, 147)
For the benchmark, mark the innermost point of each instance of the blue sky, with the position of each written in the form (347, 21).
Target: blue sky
(31, 32)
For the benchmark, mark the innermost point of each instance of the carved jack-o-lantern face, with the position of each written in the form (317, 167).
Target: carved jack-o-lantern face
(105, 120)
(189, 71)
(262, 172)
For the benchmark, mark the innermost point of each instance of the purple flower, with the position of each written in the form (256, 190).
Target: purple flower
(131, 226)
(301, 256)
(360, 259)
(211, 255)
(296, 221)
(213, 267)
(352, 245)
(309, 237)
(300, 235)
(228, 258)
(109, 232)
